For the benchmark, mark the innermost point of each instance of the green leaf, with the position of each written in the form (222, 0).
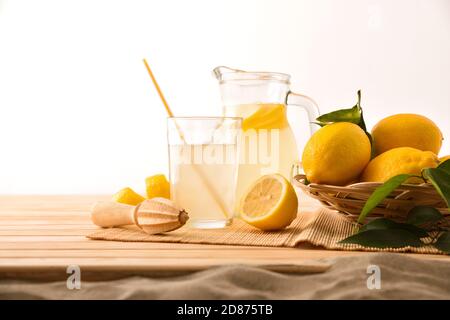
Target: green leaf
(352, 115)
(384, 238)
(381, 223)
(423, 214)
(445, 166)
(385, 224)
(381, 193)
(443, 242)
(421, 233)
(440, 180)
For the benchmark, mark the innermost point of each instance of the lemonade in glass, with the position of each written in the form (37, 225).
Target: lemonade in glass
(203, 159)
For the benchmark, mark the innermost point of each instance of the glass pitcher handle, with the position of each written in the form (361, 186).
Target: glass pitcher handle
(305, 102)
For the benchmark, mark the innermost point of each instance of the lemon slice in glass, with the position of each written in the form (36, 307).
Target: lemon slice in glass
(270, 203)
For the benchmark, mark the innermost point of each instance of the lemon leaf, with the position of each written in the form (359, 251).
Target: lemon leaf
(352, 115)
(383, 224)
(440, 180)
(384, 238)
(423, 214)
(445, 166)
(381, 193)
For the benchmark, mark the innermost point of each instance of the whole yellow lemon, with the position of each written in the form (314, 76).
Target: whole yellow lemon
(336, 154)
(406, 130)
(397, 161)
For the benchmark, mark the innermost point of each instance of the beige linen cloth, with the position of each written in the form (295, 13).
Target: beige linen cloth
(314, 225)
(402, 277)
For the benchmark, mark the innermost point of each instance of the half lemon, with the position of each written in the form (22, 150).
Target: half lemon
(270, 203)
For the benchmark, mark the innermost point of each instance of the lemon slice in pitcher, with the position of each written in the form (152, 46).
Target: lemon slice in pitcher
(270, 203)
(267, 116)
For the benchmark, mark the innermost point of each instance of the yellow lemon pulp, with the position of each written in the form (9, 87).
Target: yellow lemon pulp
(399, 161)
(267, 116)
(157, 186)
(406, 130)
(270, 203)
(128, 196)
(336, 154)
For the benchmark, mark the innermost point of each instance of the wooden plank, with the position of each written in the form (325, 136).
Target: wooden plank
(104, 245)
(44, 238)
(46, 222)
(47, 232)
(51, 200)
(276, 254)
(94, 270)
(21, 227)
(132, 263)
(45, 216)
(161, 254)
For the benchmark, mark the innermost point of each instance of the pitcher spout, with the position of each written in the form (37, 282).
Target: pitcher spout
(219, 71)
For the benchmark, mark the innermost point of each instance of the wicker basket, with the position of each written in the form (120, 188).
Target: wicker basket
(349, 200)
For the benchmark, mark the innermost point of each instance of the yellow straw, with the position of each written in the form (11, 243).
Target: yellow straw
(170, 114)
(164, 101)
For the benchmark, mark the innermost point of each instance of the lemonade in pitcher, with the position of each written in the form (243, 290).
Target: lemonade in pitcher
(268, 144)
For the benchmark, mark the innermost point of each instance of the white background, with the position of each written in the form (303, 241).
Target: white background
(78, 113)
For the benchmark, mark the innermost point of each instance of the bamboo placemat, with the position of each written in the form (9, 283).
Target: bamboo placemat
(320, 227)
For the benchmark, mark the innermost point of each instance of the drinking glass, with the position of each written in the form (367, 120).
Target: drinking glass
(203, 159)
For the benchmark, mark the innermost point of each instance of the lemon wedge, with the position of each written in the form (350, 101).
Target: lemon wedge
(128, 196)
(270, 203)
(157, 186)
(267, 116)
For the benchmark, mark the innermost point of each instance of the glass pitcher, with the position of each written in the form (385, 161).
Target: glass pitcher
(268, 144)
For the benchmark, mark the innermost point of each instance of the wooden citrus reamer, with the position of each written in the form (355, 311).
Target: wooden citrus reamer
(152, 216)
